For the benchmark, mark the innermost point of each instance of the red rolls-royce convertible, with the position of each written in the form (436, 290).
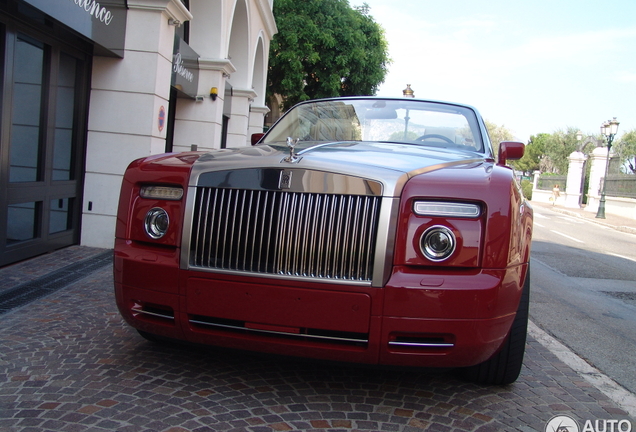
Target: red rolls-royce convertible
(367, 230)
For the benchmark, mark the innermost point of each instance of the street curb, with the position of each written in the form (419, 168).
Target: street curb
(621, 228)
(621, 396)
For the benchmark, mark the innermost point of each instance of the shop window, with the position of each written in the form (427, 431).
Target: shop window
(64, 116)
(23, 221)
(25, 158)
(59, 215)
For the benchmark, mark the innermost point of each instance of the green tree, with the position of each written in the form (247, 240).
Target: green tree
(325, 48)
(497, 135)
(531, 160)
(558, 147)
(626, 150)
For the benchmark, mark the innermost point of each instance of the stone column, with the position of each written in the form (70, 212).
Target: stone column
(200, 122)
(128, 102)
(574, 180)
(257, 118)
(238, 127)
(597, 172)
(535, 180)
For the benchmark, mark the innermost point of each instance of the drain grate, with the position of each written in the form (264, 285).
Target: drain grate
(33, 290)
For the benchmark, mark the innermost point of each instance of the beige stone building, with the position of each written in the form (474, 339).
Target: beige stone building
(92, 85)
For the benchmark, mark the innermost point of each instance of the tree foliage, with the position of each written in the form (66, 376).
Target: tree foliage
(626, 151)
(533, 155)
(550, 153)
(497, 135)
(325, 48)
(558, 147)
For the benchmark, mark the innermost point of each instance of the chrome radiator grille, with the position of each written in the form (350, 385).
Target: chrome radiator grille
(313, 235)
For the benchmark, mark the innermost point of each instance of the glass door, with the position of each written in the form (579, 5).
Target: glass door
(43, 123)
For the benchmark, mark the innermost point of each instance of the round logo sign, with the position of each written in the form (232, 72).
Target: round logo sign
(562, 423)
(161, 118)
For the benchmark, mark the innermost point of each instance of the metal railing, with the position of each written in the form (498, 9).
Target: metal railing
(621, 186)
(548, 182)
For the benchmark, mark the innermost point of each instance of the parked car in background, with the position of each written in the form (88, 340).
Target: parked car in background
(367, 230)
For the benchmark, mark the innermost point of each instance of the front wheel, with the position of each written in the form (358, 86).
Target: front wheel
(504, 367)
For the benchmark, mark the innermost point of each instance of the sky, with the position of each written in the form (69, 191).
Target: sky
(531, 66)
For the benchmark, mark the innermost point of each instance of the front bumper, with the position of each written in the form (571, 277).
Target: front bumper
(419, 318)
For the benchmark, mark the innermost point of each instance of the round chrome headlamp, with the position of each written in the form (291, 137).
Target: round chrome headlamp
(156, 222)
(438, 243)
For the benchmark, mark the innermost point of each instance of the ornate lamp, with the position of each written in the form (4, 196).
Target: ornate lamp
(408, 92)
(608, 129)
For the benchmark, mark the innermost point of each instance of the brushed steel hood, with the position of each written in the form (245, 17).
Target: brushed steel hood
(391, 164)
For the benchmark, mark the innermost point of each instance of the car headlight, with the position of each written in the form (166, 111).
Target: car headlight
(438, 243)
(446, 209)
(170, 193)
(156, 222)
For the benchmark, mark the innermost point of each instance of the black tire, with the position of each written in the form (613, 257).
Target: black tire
(504, 367)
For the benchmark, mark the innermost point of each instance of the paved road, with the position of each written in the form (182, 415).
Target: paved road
(69, 363)
(584, 290)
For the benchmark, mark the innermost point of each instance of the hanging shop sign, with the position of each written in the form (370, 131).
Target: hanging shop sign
(103, 22)
(185, 68)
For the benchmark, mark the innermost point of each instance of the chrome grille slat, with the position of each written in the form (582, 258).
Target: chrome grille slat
(268, 239)
(336, 250)
(284, 209)
(329, 235)
(253, 232)
(297, 257)
(354, 238)
(239, 235)
(212, 225)
(299, 234)
(363, 234)
(249, 213)
(229, 211)
(368, 267)
(321, 236)
(313, 235)
(348, 247)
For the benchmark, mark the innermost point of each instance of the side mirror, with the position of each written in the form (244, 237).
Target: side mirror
(510, 150)
(256, 138)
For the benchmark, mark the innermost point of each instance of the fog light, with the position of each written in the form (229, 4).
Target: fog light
(437, 243)
(156, 222)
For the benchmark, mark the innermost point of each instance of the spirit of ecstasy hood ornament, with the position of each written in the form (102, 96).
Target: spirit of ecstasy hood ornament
(291, 143)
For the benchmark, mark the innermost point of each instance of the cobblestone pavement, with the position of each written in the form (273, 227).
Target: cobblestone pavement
(68, 362)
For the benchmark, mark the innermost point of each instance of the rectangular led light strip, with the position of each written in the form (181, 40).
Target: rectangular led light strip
(446, 209)
(161, 192)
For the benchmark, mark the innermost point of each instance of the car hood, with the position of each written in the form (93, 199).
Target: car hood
(390, 163)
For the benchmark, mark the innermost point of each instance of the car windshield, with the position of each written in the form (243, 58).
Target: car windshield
(385, 120)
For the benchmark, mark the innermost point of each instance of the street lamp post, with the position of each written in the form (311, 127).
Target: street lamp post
(608, 129)
(408, 93)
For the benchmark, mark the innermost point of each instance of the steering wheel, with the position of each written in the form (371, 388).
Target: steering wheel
(435, 136)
